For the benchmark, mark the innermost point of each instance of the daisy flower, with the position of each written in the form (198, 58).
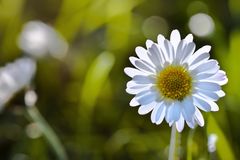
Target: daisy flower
(173, 81)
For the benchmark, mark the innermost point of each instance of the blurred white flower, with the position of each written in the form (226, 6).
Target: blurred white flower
(39, 39)
(201, 24)
(14, 76)
(212, 140)
(174, 81)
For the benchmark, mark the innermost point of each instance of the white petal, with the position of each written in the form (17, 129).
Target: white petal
(160, 113)
(220, 93)
(133, 85)
(189, 38)
(209, 67)
(173, 114)
(139, 79)
(203, 76)
(191, 124)
(155, 56)
(175, 38)
(142, 65)
(169, 50)
(180, 49)
(142, 54)
(199, 118)
(180, 124)
(160, 40)
(188, 109)
(177, 111)
(149, 43)
(164, 56)
(133, 72)
(137, 89)
(204, 49)
(167, 117)
(143, 93)
(145, 109)
(162, 49)
(220, 78)
(211, 86)
(209, 95)
(214, 106)
(199, 52)
(187, 52)
(134, 88)
(134, 102)
(205, 104)
(147, 98)
(201, 103)
(153, 114)
(199, 60)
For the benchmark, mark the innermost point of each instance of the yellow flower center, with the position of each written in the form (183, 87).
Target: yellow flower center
(174, 82)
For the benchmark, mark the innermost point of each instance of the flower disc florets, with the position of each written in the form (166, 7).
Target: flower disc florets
(174, 82)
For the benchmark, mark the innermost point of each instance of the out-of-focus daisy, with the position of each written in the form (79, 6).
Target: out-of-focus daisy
(174, 81)
(212, 140)
(14, 76)
(39, 39)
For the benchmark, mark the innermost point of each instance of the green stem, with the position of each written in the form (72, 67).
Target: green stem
(189, 144)
(47, 132)
(172, 148)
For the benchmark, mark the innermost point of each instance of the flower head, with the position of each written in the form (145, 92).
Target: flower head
(14, 76)
(39, 39)
(174, 81)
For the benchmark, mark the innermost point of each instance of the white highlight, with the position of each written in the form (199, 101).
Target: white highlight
(30, 98)
(38, 39)
(201, 24)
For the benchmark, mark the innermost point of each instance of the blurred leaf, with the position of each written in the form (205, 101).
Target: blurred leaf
(95, 16)
(116, 7)
(87, 15)
(119, 22)
(91, 15)
(10, 21)
(118, 30)
(72, 12)
(234, 6)
(223, 148)
(70, 7)
(233, 70)
(96, 77)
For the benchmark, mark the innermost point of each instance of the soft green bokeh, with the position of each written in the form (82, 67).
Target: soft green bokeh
(83, 97)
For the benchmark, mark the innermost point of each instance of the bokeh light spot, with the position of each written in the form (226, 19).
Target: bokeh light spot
(154, 25)
(201, 25)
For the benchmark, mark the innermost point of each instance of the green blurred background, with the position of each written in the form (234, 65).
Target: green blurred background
(83, 98)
